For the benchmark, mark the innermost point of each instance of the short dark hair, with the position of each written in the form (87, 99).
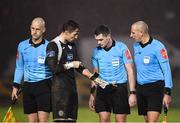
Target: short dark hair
(102, 29)
(70, 26)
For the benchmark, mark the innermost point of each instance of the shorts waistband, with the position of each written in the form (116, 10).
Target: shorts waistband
(152, 83)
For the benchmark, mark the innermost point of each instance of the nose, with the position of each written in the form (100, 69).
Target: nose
(131, 35)
(99, 42)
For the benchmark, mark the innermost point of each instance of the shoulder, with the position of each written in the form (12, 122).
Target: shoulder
(157, 44)
(23, 43)
(120, 44)
(52, 45)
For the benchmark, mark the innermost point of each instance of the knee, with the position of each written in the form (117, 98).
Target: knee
(104, 119)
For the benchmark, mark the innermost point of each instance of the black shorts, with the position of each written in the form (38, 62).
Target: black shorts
(112, 98)
(64, 99)
(37, 96)
(150, 97)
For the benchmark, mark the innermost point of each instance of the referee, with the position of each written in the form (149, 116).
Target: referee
(153, 73)
(30, 65)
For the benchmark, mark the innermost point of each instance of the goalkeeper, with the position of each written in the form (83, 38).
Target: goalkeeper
(113, 61)
(62, 59)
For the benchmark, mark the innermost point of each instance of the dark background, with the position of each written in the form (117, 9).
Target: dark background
(162, 16)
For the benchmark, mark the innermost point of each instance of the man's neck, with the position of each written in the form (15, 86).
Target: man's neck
(62, 38)
(109, 44)
(37, 41)
(145, 39)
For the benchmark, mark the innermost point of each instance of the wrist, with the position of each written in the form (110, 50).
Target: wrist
(94, 76)
(92, 90)
(167, 91)
(16, 85)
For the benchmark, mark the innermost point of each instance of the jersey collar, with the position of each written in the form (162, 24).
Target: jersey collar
(113, 44)
(149, 42)
(36, 45)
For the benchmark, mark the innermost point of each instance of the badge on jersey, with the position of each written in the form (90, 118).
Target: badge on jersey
(147, 59)
(50, 53)
(115, 62)
(164, 53)
(69, 57)
(128, 55)
(41, 60)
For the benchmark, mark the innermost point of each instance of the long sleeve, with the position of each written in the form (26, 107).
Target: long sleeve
(52, 58)
(19, 70)
(164, 63)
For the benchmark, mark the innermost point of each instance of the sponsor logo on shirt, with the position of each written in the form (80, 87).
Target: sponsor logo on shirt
(147, 59)
(128, 54)
(164, 54)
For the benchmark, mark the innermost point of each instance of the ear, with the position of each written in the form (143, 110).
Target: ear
(66, 32)
(44, 30)
(109, 36)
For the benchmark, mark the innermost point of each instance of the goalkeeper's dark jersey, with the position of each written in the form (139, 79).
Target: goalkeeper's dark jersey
(64, 92)
(69, 54)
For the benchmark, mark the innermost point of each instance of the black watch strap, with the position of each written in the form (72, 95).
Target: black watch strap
(132, 92)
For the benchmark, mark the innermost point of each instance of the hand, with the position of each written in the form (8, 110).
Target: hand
(91, 102)
(73, 64)
(14, 93)
(76, 64)
(167, 100)
(132, 100)
(98, 80)
(101, 82)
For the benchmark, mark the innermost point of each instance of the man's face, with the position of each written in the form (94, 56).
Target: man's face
(71, 36)
(102, 40)
(135, 34)
(37, 30)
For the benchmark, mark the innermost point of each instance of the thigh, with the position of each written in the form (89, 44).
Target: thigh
(149, 97)
(141, 101)
(64, 100)
(155, 97)
(29, 101)
(120, 100)
(42, 93)
(155, 102)
(102, 100)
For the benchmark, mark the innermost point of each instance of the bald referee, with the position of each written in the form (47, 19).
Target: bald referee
(153, 73)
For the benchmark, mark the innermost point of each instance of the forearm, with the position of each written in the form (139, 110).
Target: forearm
(54, 67)
(87, 73)
(131, 77)
(167, 74)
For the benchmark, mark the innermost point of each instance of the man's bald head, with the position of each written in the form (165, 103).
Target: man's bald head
(141, 26)
(39, 20)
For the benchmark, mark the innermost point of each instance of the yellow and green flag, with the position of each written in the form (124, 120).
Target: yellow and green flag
(9, 117)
